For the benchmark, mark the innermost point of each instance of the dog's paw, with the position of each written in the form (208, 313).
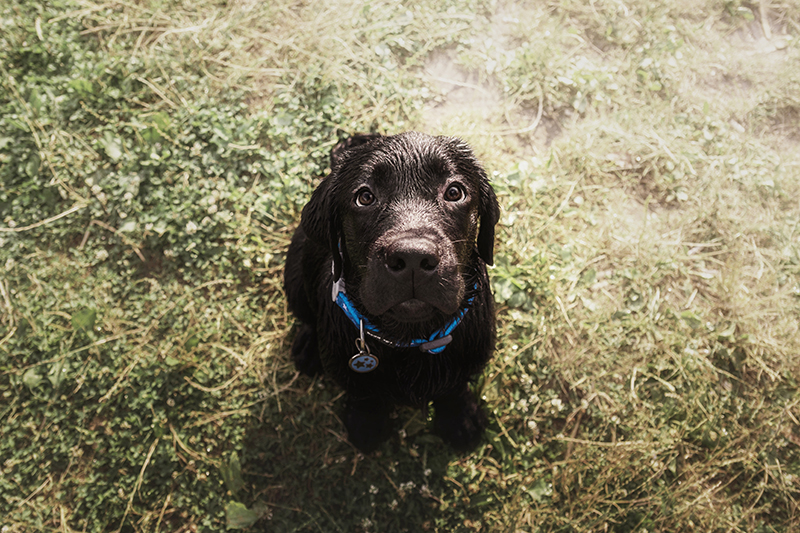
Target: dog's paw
(305, 351)
(460, 421)
(367, 428)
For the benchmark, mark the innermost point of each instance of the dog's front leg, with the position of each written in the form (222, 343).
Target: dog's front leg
(459, 419)
(367, 422)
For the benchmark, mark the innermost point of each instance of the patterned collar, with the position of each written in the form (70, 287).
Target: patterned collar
(434, 343)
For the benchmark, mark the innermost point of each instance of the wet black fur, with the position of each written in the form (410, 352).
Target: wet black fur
(325, 339)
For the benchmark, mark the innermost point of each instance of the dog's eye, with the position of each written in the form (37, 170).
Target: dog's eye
(365, 198)
(454, 193)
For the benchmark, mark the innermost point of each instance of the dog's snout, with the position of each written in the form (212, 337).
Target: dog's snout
(412, 258)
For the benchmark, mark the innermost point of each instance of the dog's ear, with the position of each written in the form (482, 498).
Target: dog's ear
(321, 222)
(489, 212)
(488, 208)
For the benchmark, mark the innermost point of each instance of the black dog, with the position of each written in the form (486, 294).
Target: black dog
(387, 275)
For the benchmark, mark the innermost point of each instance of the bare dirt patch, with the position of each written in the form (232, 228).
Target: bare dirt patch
(459, 93)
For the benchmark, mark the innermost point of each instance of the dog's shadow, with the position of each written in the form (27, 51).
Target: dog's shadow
(301, 474)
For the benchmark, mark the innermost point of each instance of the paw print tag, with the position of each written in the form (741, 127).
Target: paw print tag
(363, 361)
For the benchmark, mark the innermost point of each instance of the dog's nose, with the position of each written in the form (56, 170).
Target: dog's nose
(413, 259)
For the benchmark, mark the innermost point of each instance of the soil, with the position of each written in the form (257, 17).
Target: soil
(735, 66)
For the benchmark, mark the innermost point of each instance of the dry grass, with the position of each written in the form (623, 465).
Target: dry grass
(647, 160)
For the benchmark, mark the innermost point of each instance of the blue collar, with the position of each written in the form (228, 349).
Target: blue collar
(434, 344)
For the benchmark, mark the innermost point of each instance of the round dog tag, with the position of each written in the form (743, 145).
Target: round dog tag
(363, 363)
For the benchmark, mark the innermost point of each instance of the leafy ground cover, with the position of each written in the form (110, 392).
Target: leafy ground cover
(154, 157)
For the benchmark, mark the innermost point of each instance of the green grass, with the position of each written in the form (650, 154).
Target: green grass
(154, 159)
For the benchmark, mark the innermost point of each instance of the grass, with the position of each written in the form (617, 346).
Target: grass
(154, 158)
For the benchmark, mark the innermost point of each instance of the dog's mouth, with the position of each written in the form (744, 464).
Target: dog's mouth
(412, 310)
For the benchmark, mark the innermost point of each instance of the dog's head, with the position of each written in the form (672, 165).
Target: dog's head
(406, 218)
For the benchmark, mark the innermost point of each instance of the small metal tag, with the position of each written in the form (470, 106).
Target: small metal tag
(363, 361)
